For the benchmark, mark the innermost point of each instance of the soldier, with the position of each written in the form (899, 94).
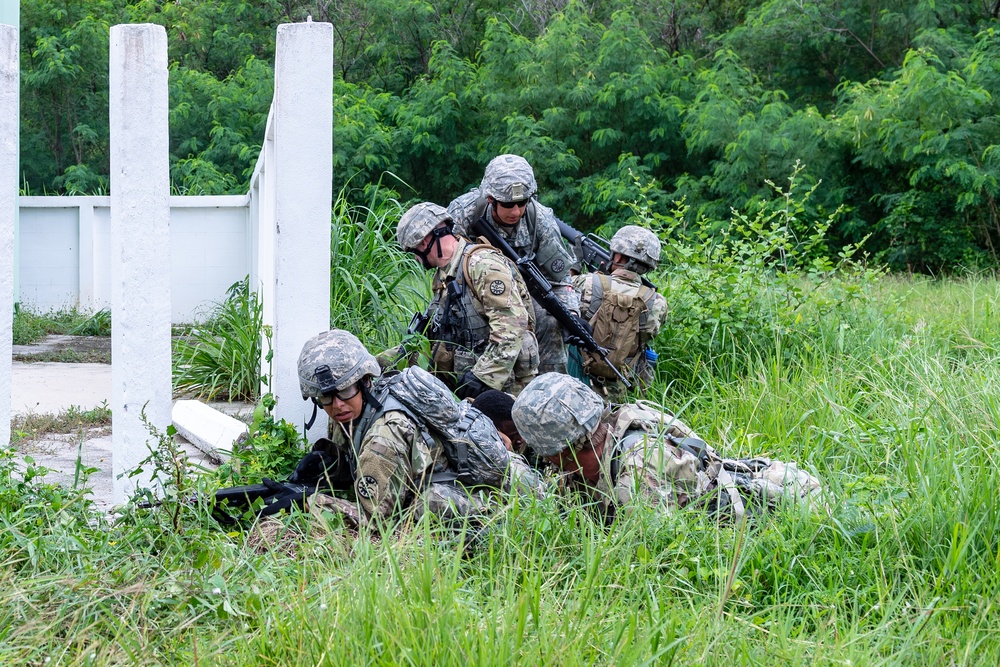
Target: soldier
(479, 318)
(624, 313)
(393, 456)
(638, 452)
(506, 200)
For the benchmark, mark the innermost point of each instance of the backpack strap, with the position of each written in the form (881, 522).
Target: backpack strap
(469, 252)
(597, 290)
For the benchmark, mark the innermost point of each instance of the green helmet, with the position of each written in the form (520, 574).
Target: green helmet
(637, 243)
(418, 222)
(555, 410)
(332, 361)
(509, 178)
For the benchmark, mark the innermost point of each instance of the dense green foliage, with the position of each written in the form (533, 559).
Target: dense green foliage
(893, 104)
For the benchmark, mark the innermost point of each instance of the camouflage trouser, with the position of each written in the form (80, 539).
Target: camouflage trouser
(551, 349)
(661, 475)
(652, 472)
(447, 502)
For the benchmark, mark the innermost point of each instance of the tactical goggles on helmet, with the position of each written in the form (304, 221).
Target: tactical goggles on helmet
(344, 394)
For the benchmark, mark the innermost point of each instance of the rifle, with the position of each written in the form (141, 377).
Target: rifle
(592, 250)
(541, 290)
(422, 321)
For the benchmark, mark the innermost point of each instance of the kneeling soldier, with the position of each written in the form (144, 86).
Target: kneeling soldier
(624, 313)
(393, 432)
(480, 320)
(639, 452)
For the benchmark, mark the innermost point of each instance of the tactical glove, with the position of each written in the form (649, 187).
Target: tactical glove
(470, 386)
(570, 339)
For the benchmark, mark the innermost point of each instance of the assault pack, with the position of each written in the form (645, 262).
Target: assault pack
(475, 452)
(616, 323)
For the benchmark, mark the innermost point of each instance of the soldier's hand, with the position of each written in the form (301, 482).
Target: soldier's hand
(570, 339)
(469, 386)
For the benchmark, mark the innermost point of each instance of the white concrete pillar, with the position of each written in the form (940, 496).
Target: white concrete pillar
(303, 187)
(140, 247)
(9, 68)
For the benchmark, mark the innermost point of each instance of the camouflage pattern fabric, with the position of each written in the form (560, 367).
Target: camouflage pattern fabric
(536, 235)
(347, 358)
(638, 243)
(628, 283)
(505, 355)
(393, 461)
(638, 453)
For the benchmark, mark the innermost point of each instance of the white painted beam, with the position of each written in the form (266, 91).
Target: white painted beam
(8, 211)
(140, 247)
(303, 186)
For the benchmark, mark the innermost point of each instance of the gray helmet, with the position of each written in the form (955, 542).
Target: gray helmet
(332, 361)
(509, 178)
(554, 410)
(418, 222)
(637, 243)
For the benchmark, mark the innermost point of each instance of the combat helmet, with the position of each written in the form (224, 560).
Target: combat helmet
(556, 409)
(418, 222)
(639, 244)
(509, 178)
(332, 361)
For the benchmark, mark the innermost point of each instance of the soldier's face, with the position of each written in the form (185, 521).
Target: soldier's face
(345, 411)
(508, 213)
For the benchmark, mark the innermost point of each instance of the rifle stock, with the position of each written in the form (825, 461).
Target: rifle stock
(541, 290)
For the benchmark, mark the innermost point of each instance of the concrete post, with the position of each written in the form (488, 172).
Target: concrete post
(140, 247)
(303, 173)
(9, 69)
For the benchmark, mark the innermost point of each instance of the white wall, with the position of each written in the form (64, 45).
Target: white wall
(65, 252)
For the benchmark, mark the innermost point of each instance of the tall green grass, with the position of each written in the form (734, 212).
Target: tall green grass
(30, 326)
(374, 285)
(896, 405)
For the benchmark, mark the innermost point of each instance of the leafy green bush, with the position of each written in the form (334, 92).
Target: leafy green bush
(741, 290)
(222, 357)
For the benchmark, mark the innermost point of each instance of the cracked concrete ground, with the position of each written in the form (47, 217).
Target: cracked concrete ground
(52, 388)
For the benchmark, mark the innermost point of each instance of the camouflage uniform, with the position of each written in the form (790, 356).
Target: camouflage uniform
(536, 235)
(395, 457)
(651, 321)
(501, 350)
(639, 452)
(642, 248)
(488, 329)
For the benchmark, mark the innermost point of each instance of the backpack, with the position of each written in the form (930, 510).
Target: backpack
(616, 328)
(475, 452)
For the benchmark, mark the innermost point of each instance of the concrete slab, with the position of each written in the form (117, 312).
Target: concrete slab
(49, 387)
(208, 429)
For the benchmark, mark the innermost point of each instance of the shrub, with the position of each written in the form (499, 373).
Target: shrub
(223, 356)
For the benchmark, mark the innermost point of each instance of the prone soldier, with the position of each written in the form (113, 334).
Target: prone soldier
(639, 452)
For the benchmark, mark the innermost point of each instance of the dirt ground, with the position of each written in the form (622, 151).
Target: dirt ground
(66, 349)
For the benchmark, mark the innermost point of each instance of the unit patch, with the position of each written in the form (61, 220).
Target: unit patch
(558, 266)
(367, 487)
(498, 287)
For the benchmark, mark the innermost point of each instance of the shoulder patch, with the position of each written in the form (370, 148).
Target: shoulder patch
(367, 487)
(558, 266)
(498, 287)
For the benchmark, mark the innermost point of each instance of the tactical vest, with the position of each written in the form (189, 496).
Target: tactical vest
(617, 320)
(475, 452)
(529, 219)
(463, 324)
